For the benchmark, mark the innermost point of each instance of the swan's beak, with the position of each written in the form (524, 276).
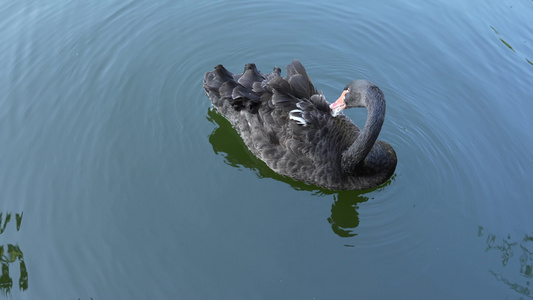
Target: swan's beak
(338, 105)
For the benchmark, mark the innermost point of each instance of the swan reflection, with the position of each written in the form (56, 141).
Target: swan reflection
(344, 217)
(10, 255)
(226, 142)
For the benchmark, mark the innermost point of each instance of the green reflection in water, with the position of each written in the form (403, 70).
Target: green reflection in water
(502, 40)
(226, 142)
(507, 44)
(344, 217)
(7, 219)
(513, 251)
(11, 257)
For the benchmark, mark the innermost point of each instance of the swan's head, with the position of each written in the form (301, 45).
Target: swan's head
(354, 95)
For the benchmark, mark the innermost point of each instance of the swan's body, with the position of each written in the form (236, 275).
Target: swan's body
(290, 126)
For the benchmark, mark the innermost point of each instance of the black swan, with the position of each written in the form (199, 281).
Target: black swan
(290, 126)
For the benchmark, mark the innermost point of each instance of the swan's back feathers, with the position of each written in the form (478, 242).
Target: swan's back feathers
(250, 76)
(252, 89)
(301, 84)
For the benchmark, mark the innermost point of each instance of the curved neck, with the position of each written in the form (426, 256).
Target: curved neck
(353, 158)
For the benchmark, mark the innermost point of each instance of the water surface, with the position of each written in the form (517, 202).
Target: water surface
(118, 181)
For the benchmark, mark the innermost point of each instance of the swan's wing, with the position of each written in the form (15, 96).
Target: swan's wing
(294, 126)
(252, 89)
(302, 86)
(286, 101)
(284, 107)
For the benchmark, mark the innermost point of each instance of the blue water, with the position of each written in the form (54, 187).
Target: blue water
(118, 181)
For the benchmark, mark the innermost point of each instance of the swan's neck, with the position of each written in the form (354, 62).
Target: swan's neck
(353, 158)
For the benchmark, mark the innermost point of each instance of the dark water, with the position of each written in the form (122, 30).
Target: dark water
(117, 181)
